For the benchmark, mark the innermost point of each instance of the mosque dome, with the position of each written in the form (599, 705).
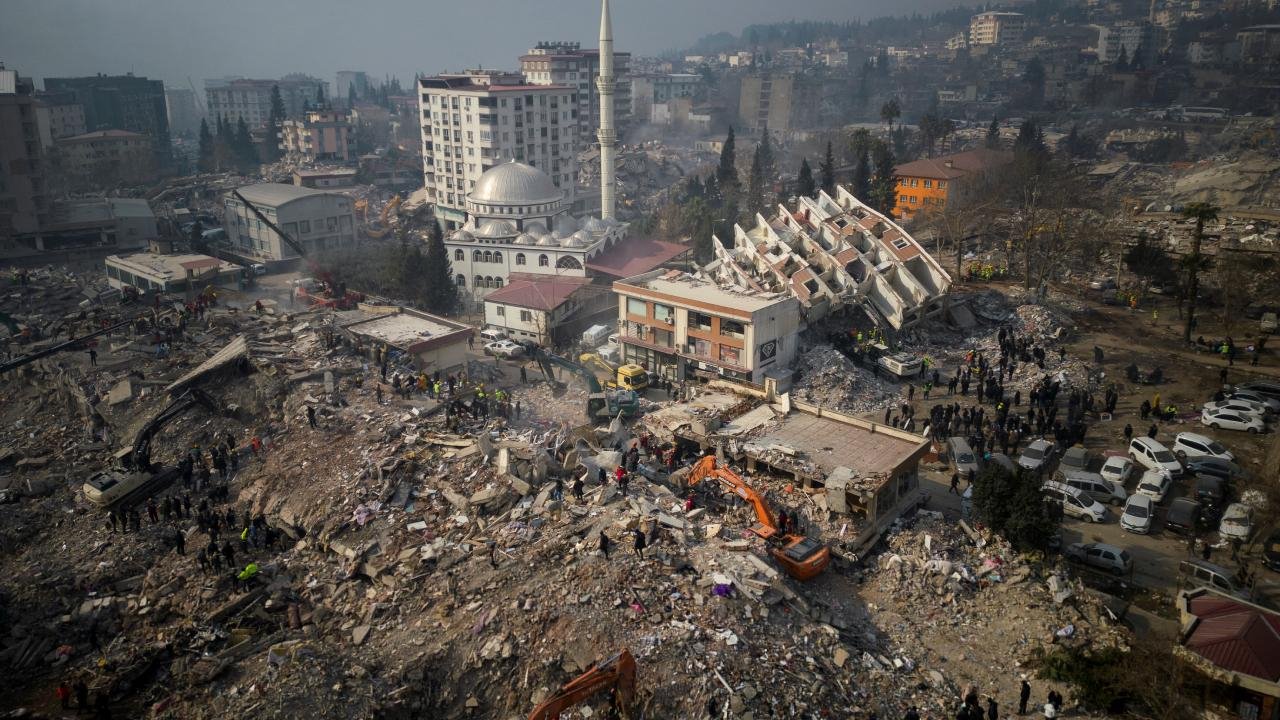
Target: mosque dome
(496, 229)
(524, 239)
(515, 183)
(594, 225)
(535, 229)
(463, 236)
(547, 241)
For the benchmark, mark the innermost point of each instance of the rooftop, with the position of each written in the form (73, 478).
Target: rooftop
(275, 194)
(103, 134)
(868, 449)
(537, 293)
(953, 166)
(683, 288)
(635, 256)
(171, 267)
(515, 183)
(403, 328)
(1234, 636)
(334, 172)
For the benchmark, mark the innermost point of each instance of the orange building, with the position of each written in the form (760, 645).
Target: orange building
(926, 185)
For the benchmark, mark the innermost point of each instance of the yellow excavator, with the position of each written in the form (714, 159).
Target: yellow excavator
(383, 228)
(626, 377)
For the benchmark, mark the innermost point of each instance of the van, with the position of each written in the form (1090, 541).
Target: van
(1154, 456)
(1201, 573)
(1093, 485)
(594, 335)
(1074, 502)
(962, 457)
(489, 335)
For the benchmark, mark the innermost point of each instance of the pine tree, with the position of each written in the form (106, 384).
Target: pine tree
(246, 153)
(768, 167)
(805, 184)
(438, 277)
(862, 175)
(205, 159)
(319, 97)
(827, 171)
(275, 123)
(1030, 139)
(993, 134)
(756, 182)
(727, 173)
(351, 95)
(884, 183)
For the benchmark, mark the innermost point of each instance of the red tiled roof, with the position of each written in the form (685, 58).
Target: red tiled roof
(633, 256)
(961, 164)
(1236, 637)
(537, 294)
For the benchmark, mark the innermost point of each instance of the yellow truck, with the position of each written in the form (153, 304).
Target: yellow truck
(627, 377)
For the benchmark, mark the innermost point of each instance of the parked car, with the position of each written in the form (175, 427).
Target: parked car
(1003, 461)
(1154, 456)
(1137, 514)
(1036, 455)
(1271, 551)
(1075, 503)
(1251, 396)
(1183, 517)
(1102, 556)
(489, 335)
(1093, 485)
(963, 457)
(1227, 420)
(1269, 388)
(1210, 490)
(1215, 466)
(1076, 458)
(1202, 573)
(1194, 445)
(1118, 469)
(504, 349)
(1239, 407)
(1237, 522)
(1155, 484)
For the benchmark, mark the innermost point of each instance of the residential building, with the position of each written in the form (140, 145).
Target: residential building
(105, 159)
(531, 307)
(997, 28)
(318, 220)
(779, 101)
(1131, 38)
(831, 253)
(184, 116)
(121, 102)
(650, 90)
(179, 274)
(681, 326)
(24, 202)
(1235, 645)
(434, 344)
(349, 79)
(329, 178)
(58, 115)
(91, 226)
(250, 100)
(1260, 45)
(518, 221)
(475, 121)
(927, 184)
(566, 63)
(322, 135)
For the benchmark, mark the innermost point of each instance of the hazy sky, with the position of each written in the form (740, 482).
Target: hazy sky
(174, 39)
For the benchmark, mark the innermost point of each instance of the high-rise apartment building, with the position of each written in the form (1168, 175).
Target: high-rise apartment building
(251, 99)
(24, 205)
(323, 135)
(566, 63)
(184, 117)
(778, 101)
(476, 120)
(58, 116)
(348, 79)
(121, 102)
(996, 28)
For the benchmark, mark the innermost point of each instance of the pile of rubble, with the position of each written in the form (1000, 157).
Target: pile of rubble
(827, 377)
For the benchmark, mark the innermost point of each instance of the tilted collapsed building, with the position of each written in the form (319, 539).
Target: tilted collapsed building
(832, 253)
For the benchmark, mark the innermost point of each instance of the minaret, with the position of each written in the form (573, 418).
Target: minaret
(606, 134)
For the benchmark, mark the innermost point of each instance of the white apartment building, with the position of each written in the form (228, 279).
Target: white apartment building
(996, 28)
(1127, 35)
(566, 63)
(650, 90)
(318, 220)
(474, 121)
(251, 99)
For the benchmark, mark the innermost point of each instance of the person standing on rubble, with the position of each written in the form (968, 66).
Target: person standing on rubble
(1024, 696)
(152, 511)
(639, 542)
(577, 488)
(179, 542)
(82, 695)
(311, 416)
(604, 544)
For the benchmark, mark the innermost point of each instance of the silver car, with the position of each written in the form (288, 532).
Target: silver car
(1101, 556)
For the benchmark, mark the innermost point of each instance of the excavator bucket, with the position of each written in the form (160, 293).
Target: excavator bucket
(616, 674)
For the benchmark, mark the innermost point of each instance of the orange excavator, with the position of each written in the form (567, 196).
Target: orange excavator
(802, 557)
(616, 673)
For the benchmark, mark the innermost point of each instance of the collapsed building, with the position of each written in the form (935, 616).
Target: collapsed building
(830, 253)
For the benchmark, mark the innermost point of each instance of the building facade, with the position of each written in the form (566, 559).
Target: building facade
(106, 158)
(250, 100)
(533, 308)
(58, 115)
(779, 101)
(682, 327)
(323, 135)
(121, 102)
(650, 90)
(182, 274)
(566, 63)
(24, 202)
(477, 120)
(184, 116)
(1131, 38)
(927, 184)
(349, 80)
(997, 28)
(316, 219)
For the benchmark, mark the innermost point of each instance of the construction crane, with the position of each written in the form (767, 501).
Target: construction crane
(297, 246)
(600, 402)
(138, 478)
(616, 674)
(802, 557)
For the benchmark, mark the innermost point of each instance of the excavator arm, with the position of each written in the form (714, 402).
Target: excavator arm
(297, 247)
(546, 361)
(706, 468)
(140, 455)
(617, 673)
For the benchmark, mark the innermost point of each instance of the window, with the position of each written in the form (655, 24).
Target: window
(460, 256)
(462, 281)
(501, 310)
(914, 182)
(568, 263)
(543, 261)
(702, 348)
(901, 243)
(913, 199)
(637, 307)
(732, 328)
(902, 199)
(304, 226)
(488, 256)
(698, 321)
(479, 282)
(519, 258)
(497, 282)
(730, 354)
(526, 316)
(928, 183)
(664, 338)
(942, 184)
(664, 313)
(476, 256)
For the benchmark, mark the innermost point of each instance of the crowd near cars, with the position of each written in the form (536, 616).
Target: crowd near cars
(1185, 488)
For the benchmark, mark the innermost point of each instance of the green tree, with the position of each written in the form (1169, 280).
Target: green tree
(1149, 261)
(768, 167)
(245, 151)
(320, 97)
(827, 171)
(351, 95)
(993, 134)
(1029, 147)
(275, 123)
(1033, 77)
(890, 111)
(756, 182)
(805, 184)
(1012, 505)
(1194, 263)
(437, 279)
(884, 183)
(205, 161)
(727, 173)
(195, 236)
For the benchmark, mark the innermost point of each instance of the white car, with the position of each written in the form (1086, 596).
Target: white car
(1118, 469)
(1227, 420)
(1154, 456)
(1237, 522)
(1251, 396)
(504, 349)
(1189, 445)
(1137, 514)
(1240, 407)
(1155, 484)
